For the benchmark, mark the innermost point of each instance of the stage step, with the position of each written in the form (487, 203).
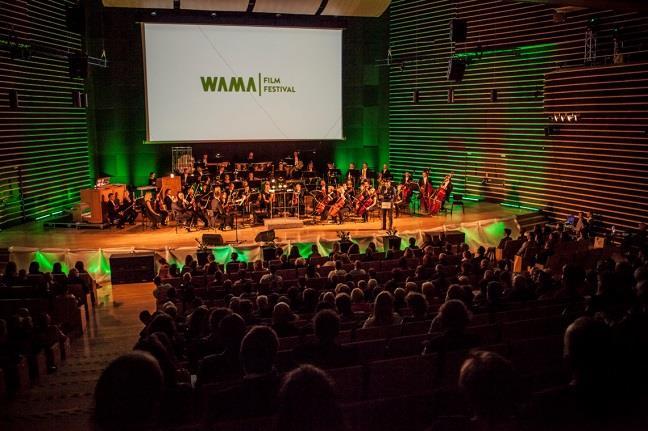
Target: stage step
(283, 223)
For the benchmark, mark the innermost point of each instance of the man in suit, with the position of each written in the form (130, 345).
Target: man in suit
(385, 174)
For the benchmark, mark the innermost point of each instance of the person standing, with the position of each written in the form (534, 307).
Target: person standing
(388, 193)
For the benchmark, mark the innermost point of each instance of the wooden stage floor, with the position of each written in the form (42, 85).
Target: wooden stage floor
(37, 236)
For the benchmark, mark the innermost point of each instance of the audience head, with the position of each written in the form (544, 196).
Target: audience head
(587, 350)
(326, 325)
(453, 316)
(308, 401)
(490, 385)
(258, 350)
(128, 393)
(282, 314)
(343, 303)
(417, 303)
(383, 309)
(232, 328)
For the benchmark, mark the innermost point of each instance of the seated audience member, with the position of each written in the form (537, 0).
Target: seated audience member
(595, 397)
(357, 269)
(344, 308)
(308, 401)
(283, 320)
(325, 352)
(272, 277)
(263, 308)
(412, 244)
(491, 390)
(34, 268)
(338, 271)
(226, 364)
(311, 272)
(294, 253)
(10, 275)
(314, 252)
(129, 394)
(448, 329)
(160, 291)
(256, 396)
(418, 306)
(383, 312)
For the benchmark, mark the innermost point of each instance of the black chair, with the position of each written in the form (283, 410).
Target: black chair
(458, 201)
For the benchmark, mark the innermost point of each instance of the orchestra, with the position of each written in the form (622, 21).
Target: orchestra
(225, 196)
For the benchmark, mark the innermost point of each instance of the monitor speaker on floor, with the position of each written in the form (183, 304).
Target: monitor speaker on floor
(455, 237)
(265, 236)
(456, 69)
(132, 268)
(212, 239)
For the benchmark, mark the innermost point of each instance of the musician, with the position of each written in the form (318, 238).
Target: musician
(297, 201)
(400, 202)
(127, 209)
(182, 209)
(366, 200)
(387, 194)
(385, 174)
(168, 200)
(338, 209)
(332, 173)
(281, 171)
(247, 199)
(407, 178)
(365, 173)
(149, 210)
(311, 167)
(196, 208)
(186, 179)
(449, 188)
(425, 186)
(266, 200)
(113, 211)
(152, 181)
(204, 162)
(298, 164)
(220, 173)
(250, 159)
(352, 173)
(160, 208)
(199, 175)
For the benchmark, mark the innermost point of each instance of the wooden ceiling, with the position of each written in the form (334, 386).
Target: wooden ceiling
(364, 8)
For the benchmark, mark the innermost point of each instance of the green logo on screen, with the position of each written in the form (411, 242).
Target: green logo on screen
(239, 84)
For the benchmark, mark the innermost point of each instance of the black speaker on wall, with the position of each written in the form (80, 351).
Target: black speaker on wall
(456, 69)
(132, 268)
(13, 99)
(458, 30)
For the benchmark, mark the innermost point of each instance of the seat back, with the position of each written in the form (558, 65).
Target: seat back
(400, 376)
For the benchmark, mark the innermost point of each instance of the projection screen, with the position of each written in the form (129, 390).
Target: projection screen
(242, 83)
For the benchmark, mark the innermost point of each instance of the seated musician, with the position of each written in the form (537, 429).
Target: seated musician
(149, 210)
(199, 175)
(186, 179)
(297, 201)
(407, 178)
(160, 208)
(152, 181)
(281, 171)
(204, 162)
(197, 210)
(339, 206)
(215, 209)
(181, 209)
(113, 211)
(127, 209)
(400, 201)
(168, 200)
(366, 201)
(298, 164)
(311, 167)
(220, 174)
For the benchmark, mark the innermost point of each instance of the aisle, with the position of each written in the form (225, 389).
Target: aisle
(63, 400)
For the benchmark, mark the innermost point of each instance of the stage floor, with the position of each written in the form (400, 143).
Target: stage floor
(37, 236)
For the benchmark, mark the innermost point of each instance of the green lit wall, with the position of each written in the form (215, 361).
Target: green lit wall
(498, 149)
(44, 141)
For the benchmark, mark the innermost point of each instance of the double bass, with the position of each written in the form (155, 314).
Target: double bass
(440, 195)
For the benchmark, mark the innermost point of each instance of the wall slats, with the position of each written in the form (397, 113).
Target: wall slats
(44, 142)
(498, 149)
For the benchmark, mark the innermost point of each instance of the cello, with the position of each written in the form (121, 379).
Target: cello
(338, 205)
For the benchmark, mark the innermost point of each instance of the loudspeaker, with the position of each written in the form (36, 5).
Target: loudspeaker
(78, 65)
(74, 19)
(212, 239)
(269, 253)
(456, 69)
(265, 236)
(390, 242)
(455, 237)
(13, 99)
(132, 268)
(458, 30)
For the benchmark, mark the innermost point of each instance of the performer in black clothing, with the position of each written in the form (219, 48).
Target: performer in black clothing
(365, 172)
(113, 211)
(388, 194)
(152, 181)
(182, 209)
(266, 200)
(297, 201)
(127, 209)
(149, 210)
(385, 174)
(168, 200)
(186, 179)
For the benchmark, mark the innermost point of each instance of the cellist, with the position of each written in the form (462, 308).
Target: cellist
(427, 191)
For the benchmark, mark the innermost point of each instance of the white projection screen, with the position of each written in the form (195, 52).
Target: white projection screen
(242, 83)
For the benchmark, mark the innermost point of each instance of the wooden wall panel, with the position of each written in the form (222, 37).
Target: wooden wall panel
(498, 149)
(44, 141)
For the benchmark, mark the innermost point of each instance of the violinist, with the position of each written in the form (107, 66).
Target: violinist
(127, 209)
(181, 209)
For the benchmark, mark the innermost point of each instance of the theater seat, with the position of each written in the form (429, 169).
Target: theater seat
(348, 382)
(398, 376)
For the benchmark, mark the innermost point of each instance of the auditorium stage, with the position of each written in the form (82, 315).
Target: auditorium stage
(35, 235)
